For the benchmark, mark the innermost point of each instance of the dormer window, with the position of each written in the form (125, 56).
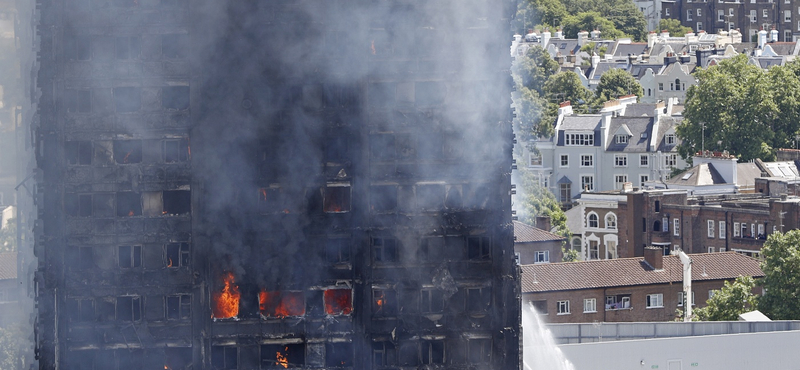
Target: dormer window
(622, 139)
(670, 139)
(584, 139)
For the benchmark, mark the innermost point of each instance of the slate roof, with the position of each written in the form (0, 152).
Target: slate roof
(638, 70)
(524, 233)
(766, 62)
(746, 173)
(782, 47)
(786, 169)
(663, 126)
(634, 271)
(639, 110)
(8, 265)
(637, 126)
(634, 48)
(702, 174)
(580, 123)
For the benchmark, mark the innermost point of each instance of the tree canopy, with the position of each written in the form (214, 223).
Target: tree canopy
(567, 86)
(739, 107)
(539, 201)
(535, 117)
(781, 282)
(617, 82)
(614, 18)
(734, 299)
(534, 68)
(673, 26)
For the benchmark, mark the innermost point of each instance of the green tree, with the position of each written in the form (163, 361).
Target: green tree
(734, 299)
(567, 86)
(591, 20)
(730, 108)
(615, 83)
(673, 26)
(628, 19)
(784, 84)
(535, 68)
(781, 281)
(533, 13)
(8, 236)
(539, 201)
(535, 117)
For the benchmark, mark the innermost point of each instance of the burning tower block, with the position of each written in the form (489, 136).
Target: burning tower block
(274, 184)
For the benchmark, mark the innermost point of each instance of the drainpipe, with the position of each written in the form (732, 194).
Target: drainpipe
(687, 285)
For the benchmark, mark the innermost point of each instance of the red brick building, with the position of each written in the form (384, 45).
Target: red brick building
(534, 245)
(627, 289)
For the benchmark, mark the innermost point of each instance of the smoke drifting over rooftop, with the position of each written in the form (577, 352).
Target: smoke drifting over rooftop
(337, 173)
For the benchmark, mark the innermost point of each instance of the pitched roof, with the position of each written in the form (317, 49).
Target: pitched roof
(524, 233)
(702, 174)
(8, 265)
(746, 173)
(637, 126)
(584, 122)
(634, 48)
(634, 271)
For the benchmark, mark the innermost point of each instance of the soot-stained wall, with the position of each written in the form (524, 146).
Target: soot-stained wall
(241, 185)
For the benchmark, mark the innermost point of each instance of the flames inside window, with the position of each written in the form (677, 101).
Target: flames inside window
(225, 300)
(336, 198)
(283, 355)
(338, 301)
(281, 304)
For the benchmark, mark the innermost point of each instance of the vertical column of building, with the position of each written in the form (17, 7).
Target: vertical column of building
(114, 150)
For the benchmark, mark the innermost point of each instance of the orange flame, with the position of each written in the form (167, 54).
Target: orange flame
(282, 360)
(189, 147)
(130, 213)
(170, 262)
(380, 299)
(281, 304)
(372, 47)
(338, 301)
(263, 193)
(226, 301)
(125, 160)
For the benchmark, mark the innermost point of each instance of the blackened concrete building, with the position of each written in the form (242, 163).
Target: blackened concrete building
(243, 185)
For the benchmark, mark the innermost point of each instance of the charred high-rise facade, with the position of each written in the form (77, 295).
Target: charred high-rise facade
(270, 184)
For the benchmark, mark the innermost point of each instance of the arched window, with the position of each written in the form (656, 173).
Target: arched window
(576, 244)
(593, 220)
(611, 221)
(657, 225)
(678, 84)
(648, 92)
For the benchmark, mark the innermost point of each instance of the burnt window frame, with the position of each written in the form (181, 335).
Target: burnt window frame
(266, 204)
(480, 304)
(333, 191)
(383, 253)
(383, 147)
(127, 47)
(176, 202)
(390, 304)
(268, 352)
(123, 156)
(427, 298)
(343, 359)
(383, 198)
(480, 347)
(338, 251)
(428, 345)
(85, 309)
(484, 251)
(183, 254)
(132, 195)
(78, 47)
(79, 205)
(430, 197)
(229, 359)
(182, 150)
(384, 354)
(183, 311)
(177, 100)
(75, 151)
(135, 308)
(134, 253)
(78, 100)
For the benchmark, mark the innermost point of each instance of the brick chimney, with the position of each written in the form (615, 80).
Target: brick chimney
(543, 222)
(654, 256)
